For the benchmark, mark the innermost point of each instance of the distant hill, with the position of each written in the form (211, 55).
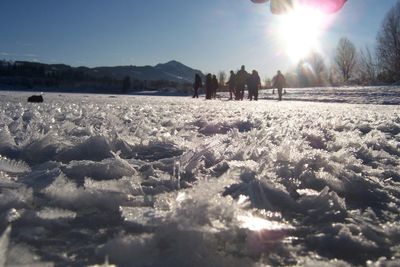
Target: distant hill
(25, 75)
(173, 71)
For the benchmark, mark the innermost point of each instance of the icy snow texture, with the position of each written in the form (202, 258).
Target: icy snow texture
(152, 181)
(4, 239)
(13, 166)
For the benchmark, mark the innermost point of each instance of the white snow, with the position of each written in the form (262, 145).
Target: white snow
(172, 181)
(388, 95)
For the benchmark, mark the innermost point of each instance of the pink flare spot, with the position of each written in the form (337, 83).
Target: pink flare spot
(327, 6)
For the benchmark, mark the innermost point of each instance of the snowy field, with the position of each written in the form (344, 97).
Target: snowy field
(172, 181)
(385, 95)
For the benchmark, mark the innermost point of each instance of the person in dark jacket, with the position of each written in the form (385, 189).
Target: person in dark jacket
(279, 82)
(232, 85)
(208, 86)
(241, 80)
(215, 86)
(253, 84)
(197, 84)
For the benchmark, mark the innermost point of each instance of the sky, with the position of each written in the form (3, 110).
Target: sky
(209, 35)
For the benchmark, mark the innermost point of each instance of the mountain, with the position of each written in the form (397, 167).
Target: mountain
(173, 71)
(24, 75)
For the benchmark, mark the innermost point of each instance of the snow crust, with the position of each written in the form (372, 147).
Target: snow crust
(169, 181)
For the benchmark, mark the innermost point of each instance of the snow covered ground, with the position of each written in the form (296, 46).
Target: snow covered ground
(172, 181)
(386, 95)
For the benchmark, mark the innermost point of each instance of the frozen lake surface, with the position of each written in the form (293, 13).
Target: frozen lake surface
(172, 181)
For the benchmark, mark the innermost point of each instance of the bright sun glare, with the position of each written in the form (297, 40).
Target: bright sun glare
(257, 224)
(299, 31)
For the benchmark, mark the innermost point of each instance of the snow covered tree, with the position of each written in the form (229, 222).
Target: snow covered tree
(388, 47)
(345, 58)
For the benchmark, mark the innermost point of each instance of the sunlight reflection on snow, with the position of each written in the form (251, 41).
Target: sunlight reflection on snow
(181, 197)
(258, 224)
(255, 184)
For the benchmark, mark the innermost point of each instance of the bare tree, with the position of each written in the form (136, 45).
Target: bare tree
(388, 47)
(312, 70)
(334, 76)
(317, 62)
(221, 78)
(345, 58)
(367, 66)
(267, 82)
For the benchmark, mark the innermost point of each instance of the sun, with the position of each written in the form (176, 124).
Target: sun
(300, 30)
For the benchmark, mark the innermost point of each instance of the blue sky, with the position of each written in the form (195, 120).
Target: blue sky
(210, 35)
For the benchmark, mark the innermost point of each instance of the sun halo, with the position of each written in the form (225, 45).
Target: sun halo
(300, 30)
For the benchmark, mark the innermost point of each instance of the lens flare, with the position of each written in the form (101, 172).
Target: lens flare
(300, 30)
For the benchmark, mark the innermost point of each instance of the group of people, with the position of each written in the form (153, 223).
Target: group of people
(237, 84)
(211, 85)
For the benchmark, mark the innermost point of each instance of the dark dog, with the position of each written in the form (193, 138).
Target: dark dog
(35, 99)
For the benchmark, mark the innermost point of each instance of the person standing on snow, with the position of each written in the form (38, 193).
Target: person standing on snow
(241, 80)
(208, 86)
(232, 85)
(215, 86)
(253, 84)
(279, 82)
(196, 85)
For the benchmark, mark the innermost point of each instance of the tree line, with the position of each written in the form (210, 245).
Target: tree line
(25, 75)
(363, 66)
(351, 65)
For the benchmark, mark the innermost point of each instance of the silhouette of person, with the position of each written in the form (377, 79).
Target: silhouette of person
(253, 84)
(241, 80)
(196, 85)
(232, 85)
(208, 86)
(215, 86)
(279, 83)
